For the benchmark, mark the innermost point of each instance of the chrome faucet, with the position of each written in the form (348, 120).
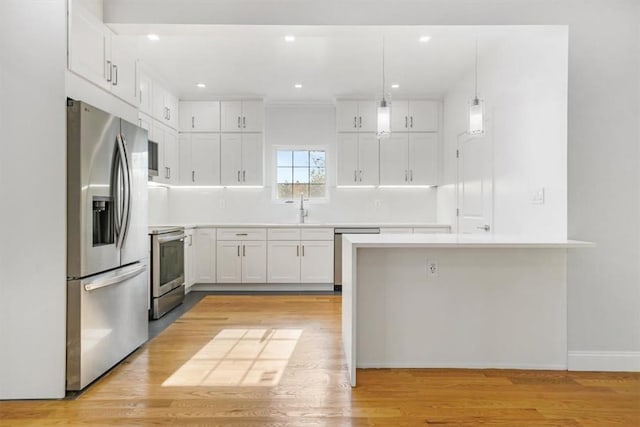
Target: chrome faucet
(303, 211)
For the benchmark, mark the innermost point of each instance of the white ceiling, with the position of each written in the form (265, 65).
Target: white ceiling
(329, 61)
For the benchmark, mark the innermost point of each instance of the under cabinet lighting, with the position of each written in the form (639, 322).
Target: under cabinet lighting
(201, 85)
(355, 186)
(153, 37)
(298, 86)
(395, 86)
(406, 186)
(289, 39)
(424, 39)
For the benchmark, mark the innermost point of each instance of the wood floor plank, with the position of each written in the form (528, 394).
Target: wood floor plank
(310, 385)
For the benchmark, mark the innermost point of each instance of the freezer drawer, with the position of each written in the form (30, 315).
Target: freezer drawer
(106, 320)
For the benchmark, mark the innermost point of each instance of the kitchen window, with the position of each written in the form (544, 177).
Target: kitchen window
(301, 172)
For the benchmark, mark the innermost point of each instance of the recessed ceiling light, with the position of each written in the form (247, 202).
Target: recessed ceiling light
(290, 38)
(297, 86)
(201, 85)
(424, 39)
(153, 37)
(395, 86)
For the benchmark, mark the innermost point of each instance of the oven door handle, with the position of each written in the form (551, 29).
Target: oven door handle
(166, 239)
(112, 280)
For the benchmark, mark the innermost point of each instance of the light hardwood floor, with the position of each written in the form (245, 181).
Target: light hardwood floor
(287, 352)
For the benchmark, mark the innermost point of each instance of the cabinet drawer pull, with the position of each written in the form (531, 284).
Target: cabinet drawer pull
(242, 234)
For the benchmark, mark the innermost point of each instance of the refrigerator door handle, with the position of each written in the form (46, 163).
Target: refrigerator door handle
(116, 193)
(113, 280)
(126, 164)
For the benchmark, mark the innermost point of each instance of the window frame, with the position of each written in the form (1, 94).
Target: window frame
(274, 169)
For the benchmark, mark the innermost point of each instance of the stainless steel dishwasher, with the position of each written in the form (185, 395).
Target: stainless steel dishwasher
(337, 249)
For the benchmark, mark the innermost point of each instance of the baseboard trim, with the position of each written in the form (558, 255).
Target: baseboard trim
(465, 365)
(263, 287)
(611, 361)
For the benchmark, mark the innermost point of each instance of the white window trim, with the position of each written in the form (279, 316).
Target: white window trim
(273, 167)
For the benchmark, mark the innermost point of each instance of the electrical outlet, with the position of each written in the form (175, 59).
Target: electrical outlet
(537, 198)
(432, 268)
(377, 203)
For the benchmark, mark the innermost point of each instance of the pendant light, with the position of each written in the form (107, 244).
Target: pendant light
(384, 110)
(476, 107)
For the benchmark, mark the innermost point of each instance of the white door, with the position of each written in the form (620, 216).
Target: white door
(204, 255)
(254, 262)
(186, 122)
(423, 158)
(283, 262)
(230, 159)
(367, 116)
(317, 262)
(228, 262)
(123, 58)
(475, 184)
(347, 159)
(252, 116)
(186, 168)
(399, 116)
(145, 91)
(368, 151)
(231, 116)
(423, 116)
(347, 116)
(89, 47)
(171, 155)
(394, 157)
(252, 159)
(205, 158)
(205, 116)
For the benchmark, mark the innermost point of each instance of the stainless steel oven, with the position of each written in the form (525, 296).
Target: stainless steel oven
(167, 269)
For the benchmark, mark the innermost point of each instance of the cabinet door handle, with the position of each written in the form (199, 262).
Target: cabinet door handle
(244, 122)
(355, 122)
(360, 176)
(169, 110)
(242, 234)
(406, 176)
(360, 122)
(238, 250)
(115, 74)
(238, 122)
(244, 250)
(109, 71)
(238, 176)
(166, 172)
(193, 122)
(297, 250)
(355, 176)
(302, 250)
(193, 176)
(411, 174)
(411, 122)
(244, 176)
(406, 122)
(169, 168)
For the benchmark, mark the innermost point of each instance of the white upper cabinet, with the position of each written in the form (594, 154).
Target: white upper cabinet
(409, 159)
(241, 159)
(145, 93)
(356, 116)
(168, 153)
(165, 106)
(123, 63)
(103, 58)
(414, 116)
(200, 158)
(197, 116)
(241, 116)
(357, 159)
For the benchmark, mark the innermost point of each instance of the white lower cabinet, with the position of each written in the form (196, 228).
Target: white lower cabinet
(300, 261)
(241, 261)
(204, 255)
(188, 258)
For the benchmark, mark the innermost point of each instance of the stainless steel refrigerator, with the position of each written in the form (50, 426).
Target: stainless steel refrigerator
(107, 288)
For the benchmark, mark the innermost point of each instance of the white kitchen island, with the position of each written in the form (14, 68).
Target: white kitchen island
(490, 301)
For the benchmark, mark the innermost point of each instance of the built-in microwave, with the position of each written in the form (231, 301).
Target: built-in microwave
(152, 150)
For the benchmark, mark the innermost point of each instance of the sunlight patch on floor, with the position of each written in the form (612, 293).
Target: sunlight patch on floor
(239, 357)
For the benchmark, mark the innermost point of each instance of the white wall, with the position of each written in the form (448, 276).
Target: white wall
(32, 198)
(603, 158)
(524, 84)
(307, 126)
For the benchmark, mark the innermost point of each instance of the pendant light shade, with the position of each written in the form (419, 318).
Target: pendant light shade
(476, 108)
(384, 110)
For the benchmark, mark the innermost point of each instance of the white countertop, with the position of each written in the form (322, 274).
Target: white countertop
(458, 241)
(308, 224)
